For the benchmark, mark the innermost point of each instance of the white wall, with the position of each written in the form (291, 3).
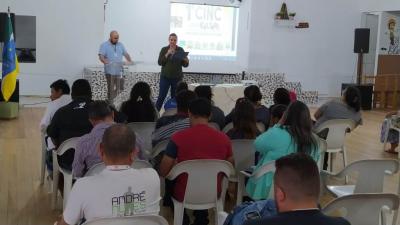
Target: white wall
(379, 5)
(68, 36)
(144, 29)
(320, 57)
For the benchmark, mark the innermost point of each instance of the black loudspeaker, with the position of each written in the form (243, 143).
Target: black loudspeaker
(361, 40)
(3, 19)
(366, 94)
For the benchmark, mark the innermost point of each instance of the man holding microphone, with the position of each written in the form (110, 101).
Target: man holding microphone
(110, 54)
(171, 60)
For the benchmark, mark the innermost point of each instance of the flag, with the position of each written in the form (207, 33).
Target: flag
(10, 68)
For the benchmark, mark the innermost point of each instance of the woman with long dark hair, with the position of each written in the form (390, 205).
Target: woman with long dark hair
(292, 134)
(244, 121)
(139, 107)
(253, 94)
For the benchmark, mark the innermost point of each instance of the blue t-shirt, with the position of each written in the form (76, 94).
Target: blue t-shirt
(113, 53)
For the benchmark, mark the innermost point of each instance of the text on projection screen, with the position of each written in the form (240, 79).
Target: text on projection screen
(207, 32)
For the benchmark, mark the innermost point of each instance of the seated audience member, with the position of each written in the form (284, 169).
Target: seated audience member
(139, 107)
(60, 97)
(276, 113)
(171, 103)
(296, 191)
(72, 120)
(253, 93)
(346, 108)
(168, 125)
(281, 96)
(114, 192)
(393, 135)
(197, 142)
(244, 121)
(217, 115)
(292, 134)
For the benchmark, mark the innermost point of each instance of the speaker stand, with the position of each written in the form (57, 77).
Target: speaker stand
(360, 68)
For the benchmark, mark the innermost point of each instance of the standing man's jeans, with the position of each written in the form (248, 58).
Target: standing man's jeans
(165, 83)
(115, 85)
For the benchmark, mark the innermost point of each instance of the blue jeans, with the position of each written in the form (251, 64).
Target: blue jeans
(165, 83)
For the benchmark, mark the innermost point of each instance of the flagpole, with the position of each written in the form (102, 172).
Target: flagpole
(8, 10)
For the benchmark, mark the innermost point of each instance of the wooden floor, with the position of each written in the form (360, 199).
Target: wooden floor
(23, 201)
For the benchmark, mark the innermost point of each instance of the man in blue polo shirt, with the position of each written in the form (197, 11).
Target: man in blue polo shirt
(110, 54)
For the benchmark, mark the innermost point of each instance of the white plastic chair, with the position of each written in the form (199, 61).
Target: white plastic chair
(337, 130)
(170, 112)
(132, 220)
(364, 209)
(266, 168)
(137, 164)
(244, 155)
(214, 125)
(322, 145)
(66, 145)
(44, 151)
(371, 173)
(144, 130)
(227, 127)
(201, 188)
(160, 147)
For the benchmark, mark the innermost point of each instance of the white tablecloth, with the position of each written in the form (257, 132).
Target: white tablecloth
(224, 95)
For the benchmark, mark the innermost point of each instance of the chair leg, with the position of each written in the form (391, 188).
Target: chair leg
(55, 189)
(43, 167)
(67, 188)
(344, 162)
(178, 212)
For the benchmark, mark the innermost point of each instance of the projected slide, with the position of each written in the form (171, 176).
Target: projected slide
(207, 32)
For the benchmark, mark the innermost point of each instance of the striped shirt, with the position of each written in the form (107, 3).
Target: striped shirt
(165, 132)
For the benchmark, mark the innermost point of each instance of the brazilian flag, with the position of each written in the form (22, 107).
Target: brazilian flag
(10, 67)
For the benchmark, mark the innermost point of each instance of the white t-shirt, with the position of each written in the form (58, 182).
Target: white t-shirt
(116, 191)
(52, 108)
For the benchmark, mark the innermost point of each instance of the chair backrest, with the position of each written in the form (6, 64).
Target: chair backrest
(260, 127)
(206, 171)
(337, 130)
(266, 168)
(214, 125)
(243, 153)
(363, 209)
(371, 173)
(160, 147)
(227, 127)
(137, 164)
(66, 145)
(132, 220)
(144, 130)
(170, 112)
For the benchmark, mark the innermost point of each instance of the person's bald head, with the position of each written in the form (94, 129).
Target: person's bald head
(118, 142)
(114, 36)
(296, 180)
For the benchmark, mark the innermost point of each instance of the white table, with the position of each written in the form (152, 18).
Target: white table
(224, 95)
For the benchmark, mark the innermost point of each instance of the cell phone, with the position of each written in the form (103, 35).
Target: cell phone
(252, 215)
